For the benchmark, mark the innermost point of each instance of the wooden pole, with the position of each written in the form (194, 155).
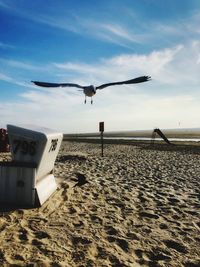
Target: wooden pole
(102, 144)
(101, 129)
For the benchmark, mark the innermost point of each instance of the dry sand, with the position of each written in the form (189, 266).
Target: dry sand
(140, 207)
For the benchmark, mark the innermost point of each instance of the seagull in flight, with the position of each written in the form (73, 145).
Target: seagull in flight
(90, 90)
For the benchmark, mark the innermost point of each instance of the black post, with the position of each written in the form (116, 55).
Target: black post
(101, 129)
(102, 144)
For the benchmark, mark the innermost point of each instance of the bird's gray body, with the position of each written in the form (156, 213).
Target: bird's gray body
(89, 90)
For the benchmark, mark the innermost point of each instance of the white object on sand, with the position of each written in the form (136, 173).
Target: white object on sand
(29, 177)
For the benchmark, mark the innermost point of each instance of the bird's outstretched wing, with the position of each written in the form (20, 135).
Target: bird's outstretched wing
(45, 84)
(140, 79)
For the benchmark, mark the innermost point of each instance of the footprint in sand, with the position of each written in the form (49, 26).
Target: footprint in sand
(151, 258)
(163, 226)
(149, 215)
(78, 224)
(176, 246)
(80, 240)
(23, 235)
(40, 246)
(122, 243)
(36, 243)
(78, 256)
(2, 258)
(102, 253)
(158, 254)
(72, 210)
(139, 253)
(173, 200)
(192, 264)
(110, 230)
(116, 262)
(133, 236)
(96, 219)
(35, 224)
(18, 257)
(142, 257)
(41, 235)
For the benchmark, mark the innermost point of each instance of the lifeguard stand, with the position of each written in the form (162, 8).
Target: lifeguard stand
(29, 177)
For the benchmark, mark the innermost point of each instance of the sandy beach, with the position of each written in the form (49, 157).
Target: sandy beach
(139, 206)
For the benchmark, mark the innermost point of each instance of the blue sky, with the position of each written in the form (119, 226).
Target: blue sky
(95, 42)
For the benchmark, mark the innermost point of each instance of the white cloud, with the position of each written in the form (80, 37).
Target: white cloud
(171, 97)
(111, 32)
(11, 80)
(20, 64)
(178, 65)
(5, 78)
(139, 30)
(4, 45)
(3, 4)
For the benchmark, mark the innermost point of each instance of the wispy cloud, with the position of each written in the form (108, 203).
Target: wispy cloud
(20, 64)
(178, 65)
(4, 77)
(106, 31)
(124, 35)
(6, 46)
(80, 23)
(160, 102)
(111, 29)
(113, 32)
(158, 64)
(3, 4)
(11, 80)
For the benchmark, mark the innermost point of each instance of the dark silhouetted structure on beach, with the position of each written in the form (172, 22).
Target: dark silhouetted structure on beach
(161, 134)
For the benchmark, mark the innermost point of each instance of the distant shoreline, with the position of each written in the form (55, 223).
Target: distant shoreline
(186, 133)
(175, 144)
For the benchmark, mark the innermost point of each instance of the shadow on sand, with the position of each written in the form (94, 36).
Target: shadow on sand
(11, 207)
(65, 158)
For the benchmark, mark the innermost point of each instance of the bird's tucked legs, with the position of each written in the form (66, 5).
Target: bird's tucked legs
(91, 101)
(85, 100)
